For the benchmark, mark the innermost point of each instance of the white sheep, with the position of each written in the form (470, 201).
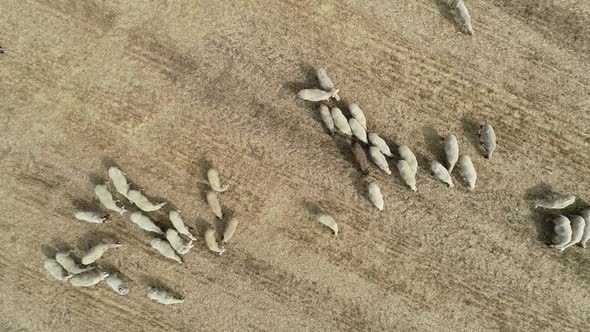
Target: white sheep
(375, 196)
(487, 136)
(578, 224)
(97, 251)
(230, 229)
(165, 249)
(380, 144)
(316, 94)
(178, 244)
(563, 230)
(179, 225)
(213, 202)
(211, 241)
(406, 154)
(117, 284)
(325, 82)
(357, 130)
(91, 217)
(145, 223)
(451, 151)
(163, 297)
(441, 173)
(459, 7)
(119, 180)
(329, 222)
(137, 198)
(407, 173)
(56, 270)
(106, 199)
(88, 279)
(556, 202)
(468, 171)
(68, 263)
(214, 182)
(379, 159)
(358, 114)
(586, 235)
(327, 118)
(340, 121)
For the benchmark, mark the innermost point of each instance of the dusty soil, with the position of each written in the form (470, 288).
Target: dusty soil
(165, 88)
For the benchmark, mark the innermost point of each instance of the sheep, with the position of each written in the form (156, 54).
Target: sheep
(214, 182)
(145, 223)
(407, 173)
(451, 151)
(380, 144)
(340, 121)
(165, 249)
(459, 7)
(115, 282)
(68, 263)
(119, 180)
(179, 225)
(97, 251)
(213, 202)
(375, 196)
(379, 159)
(56, 270)
(211, 241)
(230, 229)
(487, 137)
(556, 202)
(586, 235)
(325, 82)
(163, 297)
(91, 217)
(106, 199)
(441, 173)
(137, 198)
(328, 221)
(468, 171)
(563, 230)
(360, 157)
(327, 118)
(88, 279)
(358, 114)
(578, 224)
(406, 154)
(357, 130)
(316, 94)
(182, 247)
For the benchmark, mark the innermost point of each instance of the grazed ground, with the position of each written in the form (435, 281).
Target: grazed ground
(164, 88)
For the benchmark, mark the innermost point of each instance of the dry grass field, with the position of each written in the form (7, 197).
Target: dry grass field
(165, 88)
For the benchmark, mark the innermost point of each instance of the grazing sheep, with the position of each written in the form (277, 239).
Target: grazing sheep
(56, 270)
(179, 225)
(230, 229)
(375, 196)
(487, 136)
(115, 282)
(178, 244)
(341, 122)
(358, 114)
(441, 173)
(68, 263)
(379, 159)
(97, 251)
(459, 7)
(213, 202)
(316, 94)
(106, 199)
(327, 118)
(91, 217)
(119, 180)
(328, 221)
(145, 223)
(163, 297)
(563, 230)
(211, 241)
(214, 182)
(557, 202)
(407, 174)
(380, 144)
(325, 82)
(165, 249)
(468, 171)
(451, 151)
(578, 224)
(137, 198)
(357, 130)
(406, 154)
(586, 235)
(88, 279)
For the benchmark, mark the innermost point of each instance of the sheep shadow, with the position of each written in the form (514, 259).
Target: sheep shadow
(446, 11)
(92, 238)
(471, 131)
(435, 144)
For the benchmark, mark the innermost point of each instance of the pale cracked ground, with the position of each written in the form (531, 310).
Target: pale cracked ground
(161, 88)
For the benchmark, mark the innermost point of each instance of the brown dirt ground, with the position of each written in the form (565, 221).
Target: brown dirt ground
(163, 88)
